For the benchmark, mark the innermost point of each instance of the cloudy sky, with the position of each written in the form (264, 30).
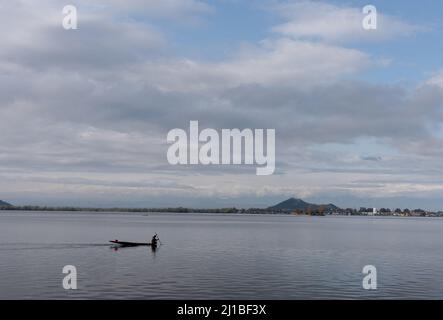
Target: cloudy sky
(85, 113)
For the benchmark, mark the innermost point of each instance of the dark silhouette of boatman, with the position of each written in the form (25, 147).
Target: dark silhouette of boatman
(154, 240)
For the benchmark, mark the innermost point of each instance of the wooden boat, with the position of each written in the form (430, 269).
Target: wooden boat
(132, 244)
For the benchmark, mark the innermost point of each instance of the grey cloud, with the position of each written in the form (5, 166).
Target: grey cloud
(371, 158)
(101, 99)
(99, 43)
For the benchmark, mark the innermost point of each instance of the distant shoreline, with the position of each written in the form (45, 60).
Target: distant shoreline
(145, 210)
(233, 210)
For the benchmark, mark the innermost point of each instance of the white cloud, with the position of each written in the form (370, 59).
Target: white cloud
(323, 21)
(283, 61)
(436, 80)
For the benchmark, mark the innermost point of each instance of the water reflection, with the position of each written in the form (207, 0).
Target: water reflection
(220, 256)
(152, 249)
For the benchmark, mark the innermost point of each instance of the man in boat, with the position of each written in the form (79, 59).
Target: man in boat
(154, 240)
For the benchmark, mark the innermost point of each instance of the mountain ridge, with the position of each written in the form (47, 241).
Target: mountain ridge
(5, 204)
(294, 204)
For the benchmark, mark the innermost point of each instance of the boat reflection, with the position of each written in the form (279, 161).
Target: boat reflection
(117, 247)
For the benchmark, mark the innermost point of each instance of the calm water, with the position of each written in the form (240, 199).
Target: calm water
(219, 256)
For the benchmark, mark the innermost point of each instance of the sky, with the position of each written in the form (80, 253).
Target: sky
(85, 113)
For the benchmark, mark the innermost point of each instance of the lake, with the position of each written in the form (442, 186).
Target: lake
(219, 256)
